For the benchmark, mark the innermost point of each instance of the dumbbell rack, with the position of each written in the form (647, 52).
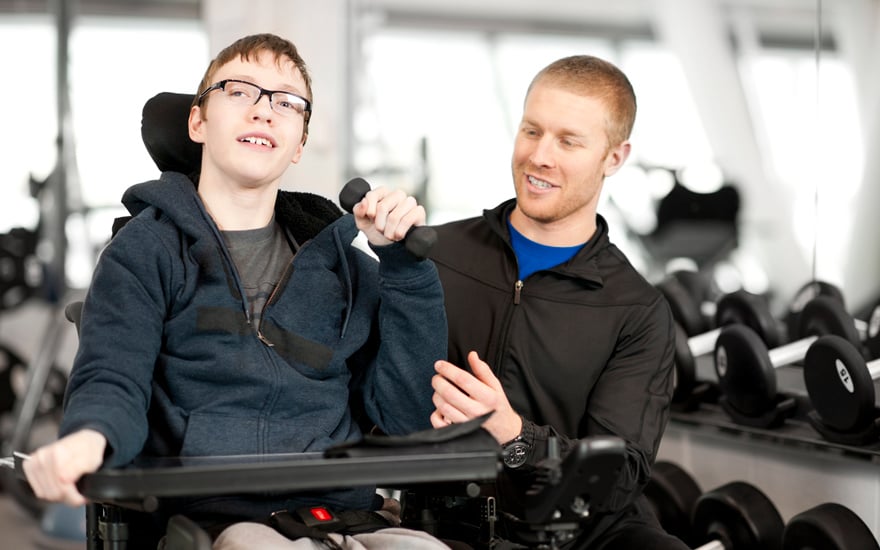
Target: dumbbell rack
(795, 431)
(792, 460)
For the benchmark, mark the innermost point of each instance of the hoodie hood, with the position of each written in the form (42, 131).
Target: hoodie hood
(175, 195)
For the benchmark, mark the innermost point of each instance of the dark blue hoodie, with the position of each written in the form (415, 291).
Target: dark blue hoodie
(170, 365)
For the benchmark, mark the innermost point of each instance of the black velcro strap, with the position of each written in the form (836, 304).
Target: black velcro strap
(291, 527)
(301, 523)
(362, 521)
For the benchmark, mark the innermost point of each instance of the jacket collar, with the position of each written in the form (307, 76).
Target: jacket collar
(583, 265)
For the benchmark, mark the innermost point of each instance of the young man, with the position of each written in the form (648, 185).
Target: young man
(229, 317)
(549, 324)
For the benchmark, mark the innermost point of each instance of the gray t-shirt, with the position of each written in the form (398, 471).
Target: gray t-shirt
(260, 256)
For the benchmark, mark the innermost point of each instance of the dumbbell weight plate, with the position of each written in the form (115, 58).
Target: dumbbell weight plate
(685, 371)
(673, 494)
(744, 308)
(739, 515)
(839, 384)
(805, 294)
(745, 375)
(685, 310)
(827, 315)
(872, 342)
(829, 526)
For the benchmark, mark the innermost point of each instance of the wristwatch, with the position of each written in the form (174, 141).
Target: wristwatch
(515, 452)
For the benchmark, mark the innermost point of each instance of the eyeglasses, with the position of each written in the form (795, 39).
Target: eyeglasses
(241, 92)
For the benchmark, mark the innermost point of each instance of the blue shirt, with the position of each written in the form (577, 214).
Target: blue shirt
(532, 257)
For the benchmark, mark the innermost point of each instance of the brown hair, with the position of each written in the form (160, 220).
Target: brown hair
(251, 46)
(590, 76)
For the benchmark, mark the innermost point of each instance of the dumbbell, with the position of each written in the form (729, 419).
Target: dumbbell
(739, 516)
(735, 516)
(418, 240)
(804, 294)
(740, 307)
(672, 494)
(828, 526)
(685, 292)
(869, 331)
(746, 368)
(840, 385)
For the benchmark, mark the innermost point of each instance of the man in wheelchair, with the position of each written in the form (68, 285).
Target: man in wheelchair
(229, 317)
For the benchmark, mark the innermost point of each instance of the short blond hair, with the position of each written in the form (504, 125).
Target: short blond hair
(591, 76)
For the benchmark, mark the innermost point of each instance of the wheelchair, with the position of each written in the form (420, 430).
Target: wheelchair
(458, 462)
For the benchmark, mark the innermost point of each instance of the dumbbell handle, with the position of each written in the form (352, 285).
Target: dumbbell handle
(873, 368)
(704, 343)
(418, 240)
(791, 352)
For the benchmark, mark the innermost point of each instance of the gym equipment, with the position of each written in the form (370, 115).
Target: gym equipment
(20, 272)
(736, 308)
(673, 494)
(840, 384)
(746, 368)
(828, 526)
(869, 331)
(682, 291)
(737, 516)
(418, 240)
(810, 290)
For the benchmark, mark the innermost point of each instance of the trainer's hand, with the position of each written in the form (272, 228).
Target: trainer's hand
(54, 469)
(460, 396)
(385, 215)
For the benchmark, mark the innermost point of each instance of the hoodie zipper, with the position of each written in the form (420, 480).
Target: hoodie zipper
(283, 280)
(517, 290)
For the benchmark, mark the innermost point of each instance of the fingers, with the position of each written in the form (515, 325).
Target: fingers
(438, 420)
(386, 215)
(54, 469)
(391, 511)
(458, 395)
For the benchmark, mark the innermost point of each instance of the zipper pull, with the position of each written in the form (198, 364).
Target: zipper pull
(517, 288)
(264, 340)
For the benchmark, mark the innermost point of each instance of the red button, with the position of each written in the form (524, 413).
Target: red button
(321, 514)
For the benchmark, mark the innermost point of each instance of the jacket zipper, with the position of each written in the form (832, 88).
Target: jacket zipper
(281, 281)
(517, 289)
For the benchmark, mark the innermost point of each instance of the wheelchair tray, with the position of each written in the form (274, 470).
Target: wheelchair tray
(475, 457)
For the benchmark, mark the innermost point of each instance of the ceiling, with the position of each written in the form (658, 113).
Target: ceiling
(781, 21)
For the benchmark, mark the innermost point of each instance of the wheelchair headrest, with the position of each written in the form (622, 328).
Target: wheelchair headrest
(165, 134)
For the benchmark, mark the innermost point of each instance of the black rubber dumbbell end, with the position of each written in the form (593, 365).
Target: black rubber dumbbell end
(418, 240)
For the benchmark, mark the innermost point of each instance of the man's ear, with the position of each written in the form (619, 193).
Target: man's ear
(196, 124)
(615, 158)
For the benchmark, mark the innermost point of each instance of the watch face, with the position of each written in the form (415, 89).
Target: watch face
(514, 455)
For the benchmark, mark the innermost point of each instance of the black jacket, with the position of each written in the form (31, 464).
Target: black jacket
(585, 347)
